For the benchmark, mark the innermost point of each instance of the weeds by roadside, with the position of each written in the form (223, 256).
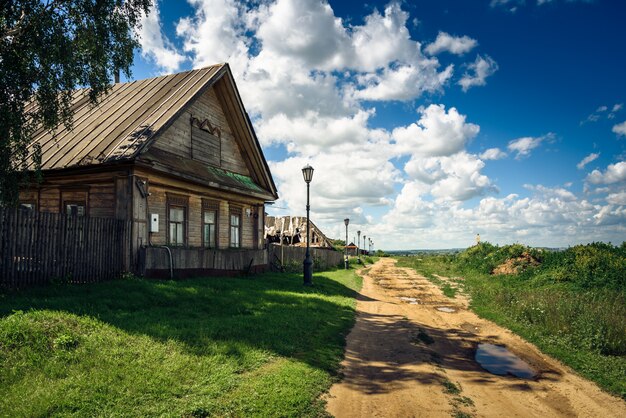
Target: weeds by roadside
(572, 304)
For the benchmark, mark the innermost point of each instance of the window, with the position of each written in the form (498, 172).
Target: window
(177, 219)
(27, 207)
(177, 225)
(209, 223)
(210, 211)
(75, 208)
(235, 229)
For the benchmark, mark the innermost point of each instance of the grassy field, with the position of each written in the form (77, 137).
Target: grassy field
(256, 346)
(572, 305)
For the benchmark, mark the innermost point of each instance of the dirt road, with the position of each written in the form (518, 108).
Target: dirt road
(405, 358)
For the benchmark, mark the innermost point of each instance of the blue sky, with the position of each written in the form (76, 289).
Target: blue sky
(426, 121)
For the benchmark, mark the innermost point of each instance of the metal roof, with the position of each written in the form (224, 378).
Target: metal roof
(123, 121)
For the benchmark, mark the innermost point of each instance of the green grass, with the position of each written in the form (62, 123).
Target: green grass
(260, 346)
(585, 327)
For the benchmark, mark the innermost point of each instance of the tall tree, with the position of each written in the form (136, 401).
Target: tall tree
(48, 48)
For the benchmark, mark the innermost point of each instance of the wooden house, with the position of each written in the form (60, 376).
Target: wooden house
(291, 230)
(176, 155)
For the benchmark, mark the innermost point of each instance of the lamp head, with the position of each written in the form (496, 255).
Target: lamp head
(346, 221)
(307, 172)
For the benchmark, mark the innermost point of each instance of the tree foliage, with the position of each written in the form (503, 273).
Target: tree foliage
(48, 48)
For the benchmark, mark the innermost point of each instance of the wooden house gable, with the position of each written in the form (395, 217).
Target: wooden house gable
(212, 139)
(202, 133)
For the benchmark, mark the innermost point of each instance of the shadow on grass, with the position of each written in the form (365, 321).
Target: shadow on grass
(270, 312)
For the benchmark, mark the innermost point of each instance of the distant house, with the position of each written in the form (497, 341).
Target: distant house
(291, 230)
(176, 155)
(351, 249)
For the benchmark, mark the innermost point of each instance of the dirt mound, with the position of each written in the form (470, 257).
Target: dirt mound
(516, 265)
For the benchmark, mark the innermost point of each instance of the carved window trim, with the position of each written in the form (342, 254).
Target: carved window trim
(214, 207)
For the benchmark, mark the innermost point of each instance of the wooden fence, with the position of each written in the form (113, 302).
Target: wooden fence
(292, 257)
(193, 262)
(37, 248)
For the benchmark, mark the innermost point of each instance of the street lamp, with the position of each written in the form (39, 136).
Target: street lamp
(346, 221)
(307, 172)
(358, 245)
(364, 244)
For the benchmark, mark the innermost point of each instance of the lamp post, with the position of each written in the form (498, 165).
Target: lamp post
(364, 244)
(358, 246)
(307, 172)
(346, 221)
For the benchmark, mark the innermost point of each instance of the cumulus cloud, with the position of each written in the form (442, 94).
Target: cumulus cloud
(477, 73)
(493, 154)
(156, 46)
(589, 158)
(614, 173)
(215, 33)
(305, 30)
(620, 129)
(457, 45)
(618, 198)
(308, 79)
(451, 178)
(524, 146)
(437, 133)
(406, 82)
(552, 192)
(552, 217)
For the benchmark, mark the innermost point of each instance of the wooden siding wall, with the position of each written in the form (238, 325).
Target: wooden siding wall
(98, 191)
(36, 248)
(157, 203)
(177, 138)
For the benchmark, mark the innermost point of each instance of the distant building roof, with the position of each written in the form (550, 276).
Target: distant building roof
(292, 229)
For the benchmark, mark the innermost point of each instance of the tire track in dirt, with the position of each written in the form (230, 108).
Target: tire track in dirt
(404, 358)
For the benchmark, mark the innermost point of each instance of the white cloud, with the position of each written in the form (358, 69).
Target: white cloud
(614, 173)
(313, 133)
(524, 146)
(618, 198)
(589, 158)
(215, 34)
(308, 78)
(305, 30)
(478, 71)
(552, 192)
(406, 82)
(155, 45)
(452, 178)
(437, 133)
(493, 154)
(620, 129)
(457, 45)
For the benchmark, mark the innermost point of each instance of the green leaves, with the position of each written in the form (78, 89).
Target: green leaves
(47, 50)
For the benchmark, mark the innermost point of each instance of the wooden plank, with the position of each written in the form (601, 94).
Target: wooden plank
(13, 252)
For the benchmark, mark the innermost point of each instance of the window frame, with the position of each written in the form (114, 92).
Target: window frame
(23, 205)
(235, 212)
(209, 206)
(76, 203)
(182, 202)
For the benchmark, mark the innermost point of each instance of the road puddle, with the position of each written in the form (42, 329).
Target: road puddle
(410, 301)
(446, 309)
(498, 360)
